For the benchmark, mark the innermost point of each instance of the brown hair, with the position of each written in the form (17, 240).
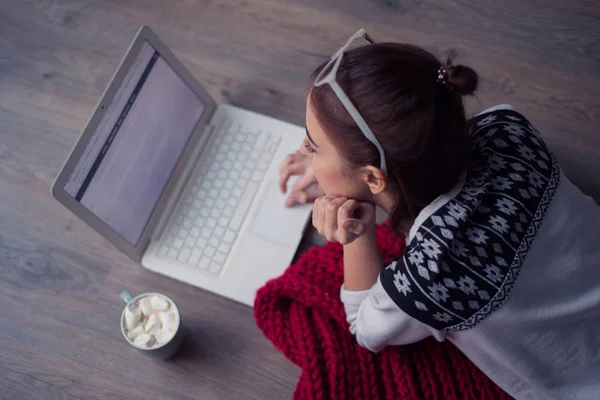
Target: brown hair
(419, 122)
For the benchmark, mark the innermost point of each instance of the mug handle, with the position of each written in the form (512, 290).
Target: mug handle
(126, 297)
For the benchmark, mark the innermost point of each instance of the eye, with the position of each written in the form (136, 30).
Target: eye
(308, 146)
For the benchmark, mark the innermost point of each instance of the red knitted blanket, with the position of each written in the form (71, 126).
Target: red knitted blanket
(301, 313)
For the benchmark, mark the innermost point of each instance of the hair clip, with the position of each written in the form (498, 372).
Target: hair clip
(442, 73)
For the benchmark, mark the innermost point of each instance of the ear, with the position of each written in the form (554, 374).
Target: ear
(375, 179)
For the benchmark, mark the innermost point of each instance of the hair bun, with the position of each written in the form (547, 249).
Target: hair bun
(462, 79)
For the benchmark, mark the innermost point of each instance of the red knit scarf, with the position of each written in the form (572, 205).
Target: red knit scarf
(301, 313)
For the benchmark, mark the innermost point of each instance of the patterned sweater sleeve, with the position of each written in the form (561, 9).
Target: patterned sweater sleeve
(377, 321)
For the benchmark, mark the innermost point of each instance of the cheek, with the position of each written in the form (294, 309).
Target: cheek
(318, 169)
(330, 178)
(322, 170)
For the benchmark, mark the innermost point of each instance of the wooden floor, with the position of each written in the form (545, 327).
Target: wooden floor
(59, 281)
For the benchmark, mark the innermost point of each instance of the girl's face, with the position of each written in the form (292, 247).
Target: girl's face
(332, 173)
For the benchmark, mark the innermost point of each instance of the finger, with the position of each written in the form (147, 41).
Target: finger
(297, 158)
(287, 170)
(316, 190)
(346, 218)
(291, 200)
(286, 161)
(319, 214)
(292, 158)
(314, 212)
(358, 217)
(309, 195)
(323, 203)
(316, 215)
(296, 198)
(331, 217)
(312, 195)
(353, 226)
(347, 209)
(303, 183)
(302, 197)
(350, 227)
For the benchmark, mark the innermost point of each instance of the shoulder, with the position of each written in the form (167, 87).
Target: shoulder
(499, 107)
(503, 116)
(502, 129)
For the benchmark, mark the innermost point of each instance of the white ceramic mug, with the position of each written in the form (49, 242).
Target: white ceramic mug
(164, 350)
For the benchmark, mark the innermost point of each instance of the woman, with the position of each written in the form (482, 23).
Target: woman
(502, 254)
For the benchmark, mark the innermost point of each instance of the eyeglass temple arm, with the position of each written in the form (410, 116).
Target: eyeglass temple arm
(368, 38)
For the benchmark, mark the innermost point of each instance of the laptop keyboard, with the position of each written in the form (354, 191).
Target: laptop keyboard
(213, 211)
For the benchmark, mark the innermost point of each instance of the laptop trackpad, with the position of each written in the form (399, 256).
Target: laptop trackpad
(276, 223)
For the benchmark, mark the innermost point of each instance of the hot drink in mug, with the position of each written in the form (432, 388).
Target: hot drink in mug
(151, 323)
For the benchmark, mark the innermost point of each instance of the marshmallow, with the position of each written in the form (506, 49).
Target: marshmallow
(153, 324)
(163, 336)
(135, 332)
(146, 306)
(159, 304)
(142, 340)
(132, 317)
(169, 320)
(151, 321)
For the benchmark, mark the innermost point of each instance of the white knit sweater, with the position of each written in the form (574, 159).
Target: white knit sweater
(543, 342)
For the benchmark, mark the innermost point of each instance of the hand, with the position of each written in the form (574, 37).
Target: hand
(342, 220)
(306, 189)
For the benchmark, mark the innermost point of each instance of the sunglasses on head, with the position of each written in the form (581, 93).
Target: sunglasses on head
(328, 75)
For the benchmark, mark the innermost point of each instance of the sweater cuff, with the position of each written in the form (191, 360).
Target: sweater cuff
(354, 298)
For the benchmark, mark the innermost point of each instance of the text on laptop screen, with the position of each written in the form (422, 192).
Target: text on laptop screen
(127, 164)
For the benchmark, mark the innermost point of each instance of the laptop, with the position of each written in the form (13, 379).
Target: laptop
(185, 186)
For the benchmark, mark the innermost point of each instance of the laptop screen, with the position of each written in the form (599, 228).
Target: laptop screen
(129, 159)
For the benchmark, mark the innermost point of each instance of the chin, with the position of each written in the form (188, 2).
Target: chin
(332, 194)
(346, 195)
(349, 193)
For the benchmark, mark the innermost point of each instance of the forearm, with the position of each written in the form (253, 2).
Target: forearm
(362, 262)
(377, 321)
